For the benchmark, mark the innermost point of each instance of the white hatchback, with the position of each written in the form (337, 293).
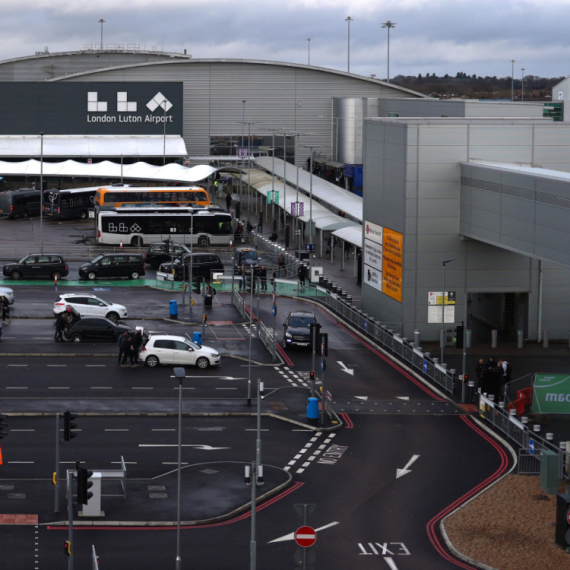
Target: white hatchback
(88, 305)
(170, 349)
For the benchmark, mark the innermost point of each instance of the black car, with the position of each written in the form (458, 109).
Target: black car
(50, 265)
(95, 329)
(158, 253)
(297, 328)
(203, 265)
(129, 265)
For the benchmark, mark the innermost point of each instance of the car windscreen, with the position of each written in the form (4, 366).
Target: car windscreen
(97, 259)
(301, 321)
(252, 255)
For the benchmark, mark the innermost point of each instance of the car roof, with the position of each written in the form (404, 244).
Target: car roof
(167, 337)
(65, 295)
(301, 313)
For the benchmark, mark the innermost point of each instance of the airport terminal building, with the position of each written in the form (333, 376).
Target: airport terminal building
(464, 197)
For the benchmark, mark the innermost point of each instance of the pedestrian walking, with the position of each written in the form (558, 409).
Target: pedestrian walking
(273, 278)
(281, 265)
(5, 306)
(120, 343)
(302, 273)
(137, 345)
(60, 323)
(479, 372)
(228, 202)
(127, 346)
(209, 296)
(263, 277)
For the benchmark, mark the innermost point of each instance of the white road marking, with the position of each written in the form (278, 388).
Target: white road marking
(20, 365)
(22, 430)
(405, 470)
(56, 365)
(142, 388)
(162, 429)
(26, 462)
(174, 463)
(58, 387)
(194, 445)
(391, 563)
(100, 388)
(228, 388)
(16, 387)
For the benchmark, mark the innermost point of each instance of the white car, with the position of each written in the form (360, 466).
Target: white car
(170, 349)
(8, 293)
(88, 305)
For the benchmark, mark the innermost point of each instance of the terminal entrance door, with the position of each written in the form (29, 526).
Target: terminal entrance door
(505, 312)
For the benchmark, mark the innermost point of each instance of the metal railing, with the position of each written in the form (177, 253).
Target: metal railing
(265, 335)
(523, 436)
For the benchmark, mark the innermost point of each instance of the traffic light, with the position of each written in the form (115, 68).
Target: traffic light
(324, 342)
(67, 547)
(312, 376)
(3, 426)
(68, 425)
(83, 485)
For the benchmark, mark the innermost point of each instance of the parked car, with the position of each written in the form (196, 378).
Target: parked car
(95, 329)
(169, 349)
(246, 256)
(89, 305)
(297, 329)
(37, 265)
(203, 264)
(8, 293)
(130, 265)
(158, 253)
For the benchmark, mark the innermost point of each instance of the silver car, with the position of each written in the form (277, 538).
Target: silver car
(8, 293)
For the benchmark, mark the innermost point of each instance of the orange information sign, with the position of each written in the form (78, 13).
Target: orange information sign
(392, 262)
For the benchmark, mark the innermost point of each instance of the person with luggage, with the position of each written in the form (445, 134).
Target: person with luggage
(209, 296)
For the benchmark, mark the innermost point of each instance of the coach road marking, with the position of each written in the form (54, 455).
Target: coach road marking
(309, 455)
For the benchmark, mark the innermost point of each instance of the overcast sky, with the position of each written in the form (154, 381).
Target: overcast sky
(431, 36)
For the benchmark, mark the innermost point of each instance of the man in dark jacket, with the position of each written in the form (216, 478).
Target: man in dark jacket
(60, 323)
(127, 348)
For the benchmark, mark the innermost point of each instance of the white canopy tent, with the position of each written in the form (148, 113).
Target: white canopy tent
(105, 169)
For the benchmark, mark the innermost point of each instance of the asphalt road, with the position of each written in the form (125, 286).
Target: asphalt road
(368, 516)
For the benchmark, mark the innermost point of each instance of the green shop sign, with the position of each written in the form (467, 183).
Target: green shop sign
(551, 394)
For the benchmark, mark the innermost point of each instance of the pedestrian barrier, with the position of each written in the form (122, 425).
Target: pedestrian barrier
(523, 436)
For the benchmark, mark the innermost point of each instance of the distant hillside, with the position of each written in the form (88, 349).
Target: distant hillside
(476, 87)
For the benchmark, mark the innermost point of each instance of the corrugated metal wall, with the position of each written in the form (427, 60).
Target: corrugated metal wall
(284, 96)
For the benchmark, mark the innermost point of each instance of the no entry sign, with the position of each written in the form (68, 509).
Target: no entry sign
(306, 536)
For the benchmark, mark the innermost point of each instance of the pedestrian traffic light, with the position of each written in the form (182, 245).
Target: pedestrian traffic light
(312, 376)
(67, 547)
(68, 425)
(83, 485)
(3, 426)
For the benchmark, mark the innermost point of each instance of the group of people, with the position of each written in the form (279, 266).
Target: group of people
(492, 376)
(129, 348)
(5, 307)
(259, 274)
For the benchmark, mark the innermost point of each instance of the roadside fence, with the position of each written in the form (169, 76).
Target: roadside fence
(531, 444)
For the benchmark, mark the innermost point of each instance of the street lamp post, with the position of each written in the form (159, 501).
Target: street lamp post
(349, 19)
(388, 25)
(442, 339)
(41, 193)
(242, 137)
(179, 373)
(101, 21)
(309, 51)
(284, 181)
(164, 135)
(522, 85)
(513, 61)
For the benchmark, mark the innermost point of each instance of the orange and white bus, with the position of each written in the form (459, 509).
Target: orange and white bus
(117, 197)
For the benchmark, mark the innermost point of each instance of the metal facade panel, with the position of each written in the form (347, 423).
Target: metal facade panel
(444, 135)
(500, 135)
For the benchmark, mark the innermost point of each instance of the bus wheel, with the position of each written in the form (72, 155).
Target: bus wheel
(137, 241)
(83, 215)
(203, 241)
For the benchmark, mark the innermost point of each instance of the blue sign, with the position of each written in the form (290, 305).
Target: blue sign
(273, 310)
(531, 446)
(310, 246)
(425, 366)
(323, 364)
(365, 325)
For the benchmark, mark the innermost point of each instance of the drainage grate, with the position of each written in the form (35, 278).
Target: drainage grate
(158, 495)
(16, 495)
(209, 471)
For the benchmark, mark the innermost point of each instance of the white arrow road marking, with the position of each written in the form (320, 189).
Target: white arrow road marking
(291, 535)
(361, 397)
(405, 470)
(345, 369)
(391, 563)
(203, 447)
(403, 397)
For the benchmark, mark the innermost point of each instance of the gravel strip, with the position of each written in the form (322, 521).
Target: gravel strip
(510, 527)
